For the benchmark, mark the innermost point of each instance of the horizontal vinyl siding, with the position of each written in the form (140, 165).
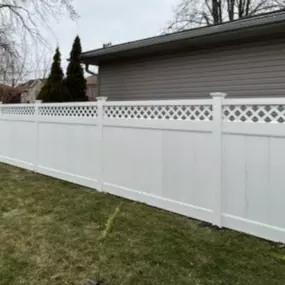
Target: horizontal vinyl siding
(244, 70)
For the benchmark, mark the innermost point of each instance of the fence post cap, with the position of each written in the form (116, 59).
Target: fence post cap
(102, 98)
(218, 94)
(38, 101)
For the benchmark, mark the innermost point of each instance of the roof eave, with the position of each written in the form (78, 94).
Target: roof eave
(240, 28)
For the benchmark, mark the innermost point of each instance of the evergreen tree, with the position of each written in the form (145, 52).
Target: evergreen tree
(54, 89)
(75, 81)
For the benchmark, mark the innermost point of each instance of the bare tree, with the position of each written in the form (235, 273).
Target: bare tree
(195, 13)
(27, 16)
(31, 63)
(21, 25)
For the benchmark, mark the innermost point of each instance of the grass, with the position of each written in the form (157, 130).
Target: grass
(49, 230)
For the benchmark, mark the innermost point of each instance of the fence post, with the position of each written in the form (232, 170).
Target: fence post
(100, 116)
(37, 150)
(218, 156)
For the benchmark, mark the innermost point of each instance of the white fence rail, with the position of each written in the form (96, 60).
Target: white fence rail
(217, 160)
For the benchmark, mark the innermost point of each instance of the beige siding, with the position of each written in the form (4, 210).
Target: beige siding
(241, 70)
(91, 92)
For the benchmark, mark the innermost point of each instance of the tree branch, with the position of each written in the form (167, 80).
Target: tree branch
(193, 13)
(21, 23)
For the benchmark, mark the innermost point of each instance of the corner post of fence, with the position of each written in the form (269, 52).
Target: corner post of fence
(100, 116)
(218, 98)
(37, 147)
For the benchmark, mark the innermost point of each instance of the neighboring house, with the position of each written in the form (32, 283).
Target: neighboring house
(242, 58)
(30, 90)
(91, 87)
(9, 94)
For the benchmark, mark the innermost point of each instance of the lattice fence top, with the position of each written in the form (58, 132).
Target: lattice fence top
(247, 112)
(68, 111)
(18, 110)
(254, 113)
(167, 112)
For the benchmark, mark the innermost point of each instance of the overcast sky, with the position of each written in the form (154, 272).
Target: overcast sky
(116, 21)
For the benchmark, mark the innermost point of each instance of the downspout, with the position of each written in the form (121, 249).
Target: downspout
(88, 70)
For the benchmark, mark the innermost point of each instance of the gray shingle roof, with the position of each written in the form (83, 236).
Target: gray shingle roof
(269, 19)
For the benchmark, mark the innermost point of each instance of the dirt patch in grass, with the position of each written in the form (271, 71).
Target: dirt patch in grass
(49, 230)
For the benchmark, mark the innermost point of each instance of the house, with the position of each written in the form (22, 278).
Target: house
(91, 87)
(30, 90)
(242, 58)
(9, 94)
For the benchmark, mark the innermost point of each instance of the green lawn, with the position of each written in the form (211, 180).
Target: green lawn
(49, 231)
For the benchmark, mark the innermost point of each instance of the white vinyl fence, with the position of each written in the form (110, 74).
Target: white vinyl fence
(218, 160)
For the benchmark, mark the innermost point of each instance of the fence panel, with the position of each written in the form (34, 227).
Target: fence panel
(160, 166)
(18, 135)
(253, 163)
